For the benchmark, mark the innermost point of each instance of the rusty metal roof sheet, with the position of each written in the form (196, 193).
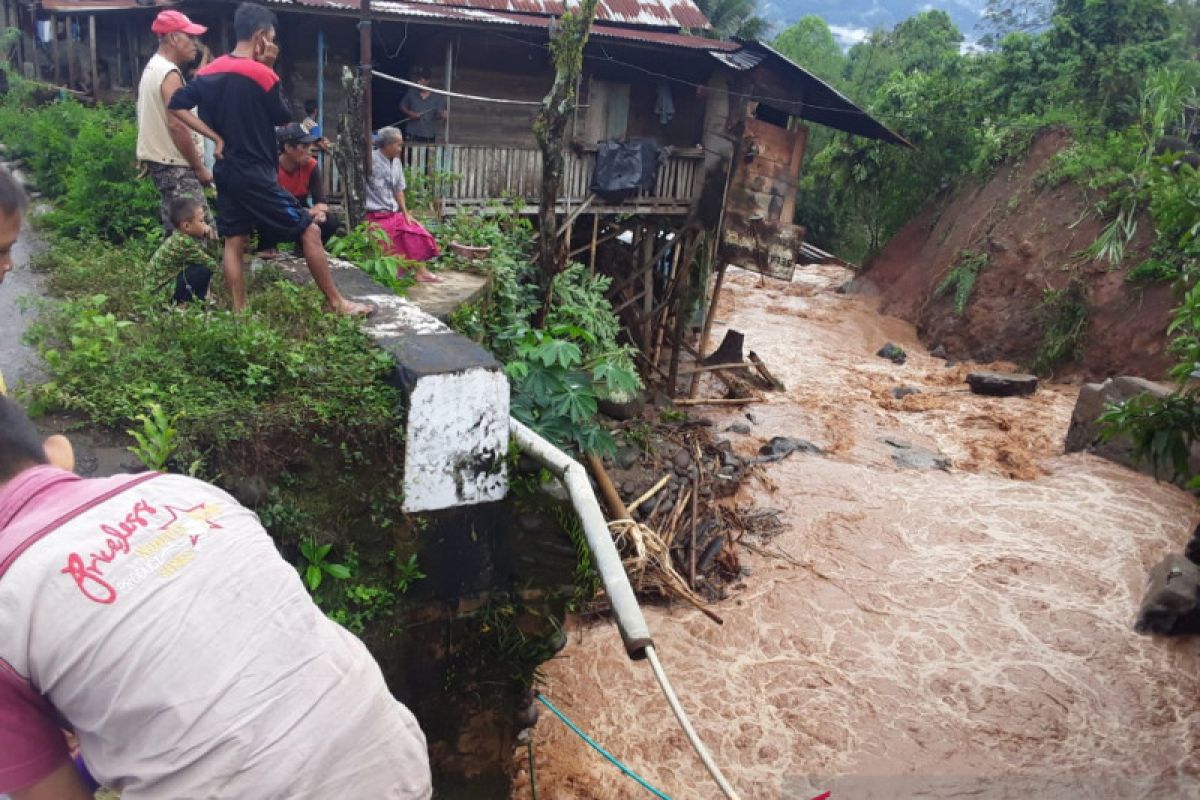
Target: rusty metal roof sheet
(90, 6)
(674, 14)
(473, 11)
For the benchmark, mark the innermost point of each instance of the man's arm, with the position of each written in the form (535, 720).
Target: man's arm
(406, 106)
(315, 190)
(63, 783)
(187, 98)
(179, 132)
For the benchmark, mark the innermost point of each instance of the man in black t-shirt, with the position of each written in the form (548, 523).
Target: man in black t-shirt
(240, 102)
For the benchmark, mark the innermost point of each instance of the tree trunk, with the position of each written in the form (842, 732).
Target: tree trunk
(550, 127)
(349, 152)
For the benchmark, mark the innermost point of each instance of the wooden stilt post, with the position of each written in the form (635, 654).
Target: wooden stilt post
(92, 53)
(365, 66)
(708, 321)
(680, 311)
(595, 235)
(72, 68)
(647, 286)
(447, 82)
(54, 49)
(662, 319)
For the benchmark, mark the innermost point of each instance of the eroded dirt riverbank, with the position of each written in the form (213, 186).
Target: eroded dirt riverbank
(918, 633)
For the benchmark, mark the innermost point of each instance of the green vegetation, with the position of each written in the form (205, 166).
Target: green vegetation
(561, 369)
(961, 278)
(1064, 317)
(1115, 73)
(367, 248)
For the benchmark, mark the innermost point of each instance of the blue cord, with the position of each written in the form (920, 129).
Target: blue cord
(611, 758)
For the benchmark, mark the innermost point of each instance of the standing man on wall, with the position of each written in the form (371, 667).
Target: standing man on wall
(173, 155)
(240, 102)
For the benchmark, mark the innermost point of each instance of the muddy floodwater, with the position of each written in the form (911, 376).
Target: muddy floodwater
(913, 632)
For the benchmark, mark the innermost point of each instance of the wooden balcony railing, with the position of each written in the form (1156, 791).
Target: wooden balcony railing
(473, 176)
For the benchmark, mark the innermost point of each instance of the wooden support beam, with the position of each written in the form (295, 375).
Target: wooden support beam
(579, 209)
(595, 232)
(54, 48)
(708, 321)
(94, 61)
(648, 288)
(72, 61)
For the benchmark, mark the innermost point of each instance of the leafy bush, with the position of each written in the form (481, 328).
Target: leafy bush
(85, 159)
(367, 248)
(962, 277)
(562, 370)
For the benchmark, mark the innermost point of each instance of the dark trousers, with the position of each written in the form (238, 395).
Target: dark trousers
(328, 229)
(192, 284)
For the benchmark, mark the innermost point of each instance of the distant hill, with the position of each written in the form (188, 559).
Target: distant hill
(850, 20)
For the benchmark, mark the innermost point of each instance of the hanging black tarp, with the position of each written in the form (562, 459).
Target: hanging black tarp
(625, 169)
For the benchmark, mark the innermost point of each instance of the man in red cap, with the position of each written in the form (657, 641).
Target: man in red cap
(170, 153)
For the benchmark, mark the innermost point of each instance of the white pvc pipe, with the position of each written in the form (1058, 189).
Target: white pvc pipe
(630, 621)
(685, 723)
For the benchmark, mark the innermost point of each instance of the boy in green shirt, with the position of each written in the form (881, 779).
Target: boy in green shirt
(184, 253)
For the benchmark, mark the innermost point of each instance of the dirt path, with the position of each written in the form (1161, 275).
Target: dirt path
(920, 633)
(21, 286)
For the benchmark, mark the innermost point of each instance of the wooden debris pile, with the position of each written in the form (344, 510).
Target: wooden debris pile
(672, 511)
(744, 376)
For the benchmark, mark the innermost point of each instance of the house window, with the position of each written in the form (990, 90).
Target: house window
(771, 115)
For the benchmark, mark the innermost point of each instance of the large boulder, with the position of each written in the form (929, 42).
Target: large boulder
(1083, 434)
(1002, 384)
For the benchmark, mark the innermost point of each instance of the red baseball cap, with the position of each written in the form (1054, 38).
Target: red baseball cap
(175, 22)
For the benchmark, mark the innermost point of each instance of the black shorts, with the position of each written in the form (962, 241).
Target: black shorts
(250, 200)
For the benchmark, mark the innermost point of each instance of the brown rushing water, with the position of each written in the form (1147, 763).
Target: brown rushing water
(920, 633)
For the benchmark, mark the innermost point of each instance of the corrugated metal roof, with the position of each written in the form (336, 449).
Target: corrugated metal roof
(460, 11)
(815, 100)
(674, 14)
(741, 60)
(89, 6)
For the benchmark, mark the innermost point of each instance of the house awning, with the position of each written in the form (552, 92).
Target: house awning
(802, 94)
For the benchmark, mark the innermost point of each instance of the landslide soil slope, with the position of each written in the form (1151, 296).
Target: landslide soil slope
(1033, 237)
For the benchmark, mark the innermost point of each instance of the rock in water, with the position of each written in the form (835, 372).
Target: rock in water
(783, 446)
(892, 352)
(900, 392)
(905, 455)
(1169, 606)
(938, 352)
(1002, 384)
(739, 427)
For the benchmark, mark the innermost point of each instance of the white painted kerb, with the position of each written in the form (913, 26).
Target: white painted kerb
(457, 440)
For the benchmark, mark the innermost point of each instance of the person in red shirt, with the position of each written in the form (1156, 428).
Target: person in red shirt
(300, 176)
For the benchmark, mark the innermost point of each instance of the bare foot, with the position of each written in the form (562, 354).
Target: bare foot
(428, 277)
(351, 309)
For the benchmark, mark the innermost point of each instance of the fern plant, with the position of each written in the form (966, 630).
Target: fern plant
(961, 278)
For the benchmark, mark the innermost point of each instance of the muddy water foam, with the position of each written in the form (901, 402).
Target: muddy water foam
(914, 633)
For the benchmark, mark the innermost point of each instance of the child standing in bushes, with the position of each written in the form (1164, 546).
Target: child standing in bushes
(184, 254)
